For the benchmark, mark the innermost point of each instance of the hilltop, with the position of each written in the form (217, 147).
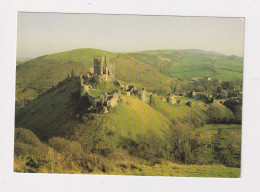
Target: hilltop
(155, 70)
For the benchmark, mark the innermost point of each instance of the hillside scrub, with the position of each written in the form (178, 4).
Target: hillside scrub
(65, 147)
(218, 113)
(191, 146)
(65, 160)
(26, 142)
(211, 144)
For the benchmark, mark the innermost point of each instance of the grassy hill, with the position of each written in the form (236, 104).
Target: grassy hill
(135, 118)
(154, 70)
(49, 113)
(57, 111)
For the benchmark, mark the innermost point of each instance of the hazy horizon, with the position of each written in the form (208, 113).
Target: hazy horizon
(47, 33)
(124, 52)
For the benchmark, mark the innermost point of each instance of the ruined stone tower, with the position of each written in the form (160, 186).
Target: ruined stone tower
(141, 94)
(103, 67)
(98, 65)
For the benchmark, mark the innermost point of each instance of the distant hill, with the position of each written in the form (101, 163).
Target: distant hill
(186, 64)
(22, 60)
(153, 69)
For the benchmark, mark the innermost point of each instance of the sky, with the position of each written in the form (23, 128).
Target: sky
(46, 33)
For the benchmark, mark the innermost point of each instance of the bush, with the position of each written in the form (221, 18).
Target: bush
(214, 144)
(26, 136)
(180, 143)
(35, 161)
(218, 113)
(66, 147)
(149, 147)
(191, 146)
(27, 143)
(22, 149)
(228, 147)
(90, 162)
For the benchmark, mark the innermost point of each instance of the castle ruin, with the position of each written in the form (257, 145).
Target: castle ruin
(104, 68)
(101, 100)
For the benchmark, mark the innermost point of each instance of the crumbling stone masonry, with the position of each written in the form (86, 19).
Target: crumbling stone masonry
(171, 99)
(141, 94)
(104, 68)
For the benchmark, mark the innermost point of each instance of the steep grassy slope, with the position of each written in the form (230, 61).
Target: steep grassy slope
(183, 113)
(50, 114)
(153, 70)
(59, 113)
(138, 118)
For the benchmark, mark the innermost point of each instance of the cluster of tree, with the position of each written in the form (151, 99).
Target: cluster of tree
(186, 145)
(224, 89)
(205, 146)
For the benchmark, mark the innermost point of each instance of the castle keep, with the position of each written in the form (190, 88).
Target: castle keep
(104, 68)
